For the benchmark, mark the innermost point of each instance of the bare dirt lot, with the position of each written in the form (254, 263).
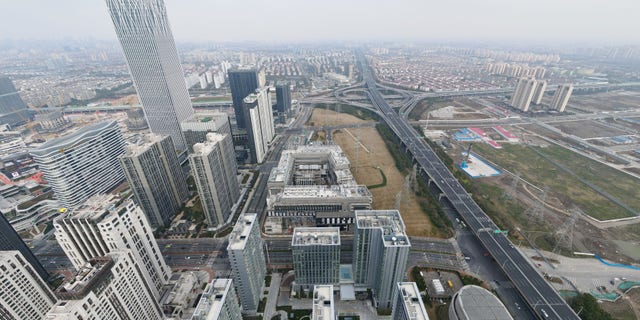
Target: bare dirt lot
(324, 117)
(463, 109)
(605, 101)
(416, 221)
(588, 129)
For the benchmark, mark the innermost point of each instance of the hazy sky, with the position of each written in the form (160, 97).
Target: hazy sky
(612, 21)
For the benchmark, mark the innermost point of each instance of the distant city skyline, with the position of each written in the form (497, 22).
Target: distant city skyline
(543, 21)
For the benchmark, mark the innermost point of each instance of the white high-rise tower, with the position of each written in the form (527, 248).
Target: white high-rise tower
(107, 223)
(143, 29)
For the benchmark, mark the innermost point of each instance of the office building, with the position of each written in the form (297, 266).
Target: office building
(156, 178)
(541, 85)
(243, 82)
(196, 127)
(215, 172)
(246, 254)
(13, 111)
(473, 302)
(323, 307)
(381, 249)
(316, 256)
(218, 302)
(523, 94)
(82, 164)
(315, 181)
(108, 287)
(561, 97)
(10, 240)
(259, 122)
(24, 295)
(136, 120)
(147, 42)
(107, 223)
(283, 100)
(408, 303)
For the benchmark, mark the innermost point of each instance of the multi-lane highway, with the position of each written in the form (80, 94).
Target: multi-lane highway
(541, 296)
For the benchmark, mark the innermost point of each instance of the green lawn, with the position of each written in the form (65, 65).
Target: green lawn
(537, 170)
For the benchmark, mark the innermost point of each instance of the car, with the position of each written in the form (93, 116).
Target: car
(517, 305)
(486, 254)
(546, 315)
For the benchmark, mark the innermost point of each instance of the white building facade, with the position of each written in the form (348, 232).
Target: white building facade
(106, 223)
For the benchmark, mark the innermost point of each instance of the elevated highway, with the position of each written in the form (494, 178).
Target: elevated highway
(543, 299)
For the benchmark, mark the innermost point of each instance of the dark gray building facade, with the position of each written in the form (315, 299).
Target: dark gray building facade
(156, 178)
(10, 240)
(242, 83)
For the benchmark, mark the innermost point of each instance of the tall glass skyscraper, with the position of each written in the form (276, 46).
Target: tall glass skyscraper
(143, 29)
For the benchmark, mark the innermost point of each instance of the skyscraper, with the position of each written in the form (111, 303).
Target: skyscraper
(283, 100)
(523, 94)
(107, 223)
(561, 97)
(214, 169)
(196, 127)
(10, 240)
(381, 249)
(13, 111)
(156, 178)
(146, 39)
(246, 255)
(541, 85)
(82, 164)
(242, 81)
(24, 295)
(218, 302)
(108, 287)
(259, 121)
(316, 256)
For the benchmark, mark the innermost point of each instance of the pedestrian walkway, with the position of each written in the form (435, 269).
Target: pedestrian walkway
(272, 297)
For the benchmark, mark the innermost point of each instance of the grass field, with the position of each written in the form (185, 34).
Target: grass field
(565, 187)
(384, 197)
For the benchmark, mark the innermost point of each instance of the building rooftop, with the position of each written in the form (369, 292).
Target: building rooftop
(473, 302)
(98, 206)
(241, 231)
(70, 140)
(389, 221)
(313, 236)
(86, 279)
(413, 303)
(203, 148)
(316, 192)
(212, 300)
(212, 119)
(138, 149)
(323, 308)
(317, 154)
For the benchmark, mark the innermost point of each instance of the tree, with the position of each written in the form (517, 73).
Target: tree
(588, 307)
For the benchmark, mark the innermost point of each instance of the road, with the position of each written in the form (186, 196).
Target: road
(543, 299)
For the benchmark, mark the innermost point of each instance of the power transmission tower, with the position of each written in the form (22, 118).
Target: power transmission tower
(536, 213)
(414, 178)
(398, 203)
(512, 193)
(564, 234)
